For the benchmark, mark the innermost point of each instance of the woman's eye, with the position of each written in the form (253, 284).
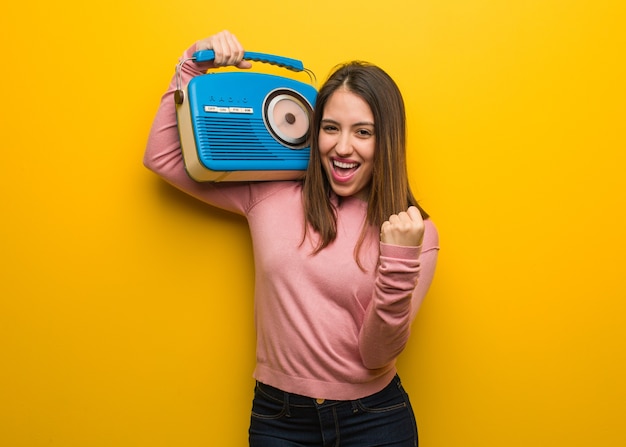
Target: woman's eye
(364, 133)
(329, 128)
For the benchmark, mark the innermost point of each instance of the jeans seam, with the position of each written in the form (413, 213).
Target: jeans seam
(278, 415)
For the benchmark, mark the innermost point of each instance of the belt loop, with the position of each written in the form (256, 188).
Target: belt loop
(355, 408)
(286, 403)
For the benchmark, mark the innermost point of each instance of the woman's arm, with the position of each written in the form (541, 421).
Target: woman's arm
(163, 153)
(402, 281)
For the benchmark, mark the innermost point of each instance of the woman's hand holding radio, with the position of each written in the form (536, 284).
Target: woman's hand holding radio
(228, 50)
(405, 228)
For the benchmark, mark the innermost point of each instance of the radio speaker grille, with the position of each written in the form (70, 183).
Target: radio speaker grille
(224, 138)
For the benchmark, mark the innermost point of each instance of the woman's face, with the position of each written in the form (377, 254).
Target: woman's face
(347, 141)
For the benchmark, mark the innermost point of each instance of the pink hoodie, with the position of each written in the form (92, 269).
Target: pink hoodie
(325, 328)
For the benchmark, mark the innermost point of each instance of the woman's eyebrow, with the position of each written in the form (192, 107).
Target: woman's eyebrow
(360, 123)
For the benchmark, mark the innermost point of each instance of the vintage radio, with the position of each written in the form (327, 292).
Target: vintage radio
(245, 126)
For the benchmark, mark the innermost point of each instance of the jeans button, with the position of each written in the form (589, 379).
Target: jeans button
(320, 401)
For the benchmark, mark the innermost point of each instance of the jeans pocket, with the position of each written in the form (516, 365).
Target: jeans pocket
(265, 406)
(389, 399)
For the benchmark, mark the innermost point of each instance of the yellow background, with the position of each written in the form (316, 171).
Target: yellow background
(126, 312)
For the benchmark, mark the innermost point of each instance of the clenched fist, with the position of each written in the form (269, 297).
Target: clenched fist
(405, 228)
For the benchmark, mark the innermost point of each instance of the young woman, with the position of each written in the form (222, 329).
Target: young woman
(343, 260)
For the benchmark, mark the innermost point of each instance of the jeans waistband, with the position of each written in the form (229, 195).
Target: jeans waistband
(297, 399)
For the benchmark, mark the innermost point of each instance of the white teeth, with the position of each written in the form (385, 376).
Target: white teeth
(343, 165)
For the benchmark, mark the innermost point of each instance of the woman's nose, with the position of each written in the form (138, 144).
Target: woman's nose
(343, 146)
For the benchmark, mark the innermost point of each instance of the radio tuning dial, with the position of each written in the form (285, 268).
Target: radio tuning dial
(287, 116)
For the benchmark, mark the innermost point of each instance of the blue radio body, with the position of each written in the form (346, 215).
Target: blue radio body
(245, 126)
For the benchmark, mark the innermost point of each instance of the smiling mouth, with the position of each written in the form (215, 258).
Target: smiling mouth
(344, 169)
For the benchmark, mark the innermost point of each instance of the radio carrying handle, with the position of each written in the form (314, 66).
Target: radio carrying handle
(285, 62)
(209, 55)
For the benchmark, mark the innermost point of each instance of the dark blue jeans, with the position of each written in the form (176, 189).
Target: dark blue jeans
(282, 419)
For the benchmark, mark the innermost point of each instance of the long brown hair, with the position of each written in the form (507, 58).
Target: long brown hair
(390, 192)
